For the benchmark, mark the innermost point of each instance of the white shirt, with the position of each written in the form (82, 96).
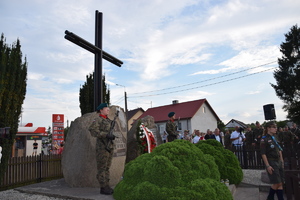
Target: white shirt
(196, 139)
(236, 134)
(218, 138)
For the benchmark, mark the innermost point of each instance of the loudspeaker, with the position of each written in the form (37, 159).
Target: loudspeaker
(269, 112)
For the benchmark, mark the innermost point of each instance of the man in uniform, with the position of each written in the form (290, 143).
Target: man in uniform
(280, 136)
(227, 141)
(249, 137)
(287, 137)
(100, 128)
(296, 133)
(257, 133)
(171, 127)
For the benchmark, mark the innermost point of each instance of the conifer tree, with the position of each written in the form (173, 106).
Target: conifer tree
(86, 94)
(288, 74)
(13, 81)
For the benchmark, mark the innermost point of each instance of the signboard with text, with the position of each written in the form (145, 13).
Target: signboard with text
(58, 128)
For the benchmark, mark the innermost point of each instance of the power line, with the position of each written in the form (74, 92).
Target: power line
(204, 80)
(202, 85)
(119, 100)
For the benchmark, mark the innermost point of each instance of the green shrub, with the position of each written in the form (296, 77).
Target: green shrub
(228, 164)
(176, 170)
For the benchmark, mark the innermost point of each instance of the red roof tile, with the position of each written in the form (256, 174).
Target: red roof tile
(183, 110)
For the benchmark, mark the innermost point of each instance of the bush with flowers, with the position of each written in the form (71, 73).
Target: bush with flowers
(174, 170)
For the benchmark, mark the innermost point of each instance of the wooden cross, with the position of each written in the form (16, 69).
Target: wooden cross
(99, 54)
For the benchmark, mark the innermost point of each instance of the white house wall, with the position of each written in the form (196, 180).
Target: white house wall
(204, 119)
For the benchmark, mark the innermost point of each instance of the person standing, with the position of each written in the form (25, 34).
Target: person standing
(271, 153)
(197, 137)
(171, 127)
(100, 128)
(249, 142)
(237, 137)
(296, 133)
(227, 141)
(257, 133)
(165, 137)
(35, 147)
(218, 136)
(187, 136)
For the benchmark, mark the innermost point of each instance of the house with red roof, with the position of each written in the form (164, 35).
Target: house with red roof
(190, 115)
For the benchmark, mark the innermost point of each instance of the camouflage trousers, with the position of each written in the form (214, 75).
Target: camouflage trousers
(103, 159)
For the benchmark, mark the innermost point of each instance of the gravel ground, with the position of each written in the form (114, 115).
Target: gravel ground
(16, 195)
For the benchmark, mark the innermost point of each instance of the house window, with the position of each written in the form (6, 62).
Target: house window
(161, 129)
(204, 109)
(179, 126)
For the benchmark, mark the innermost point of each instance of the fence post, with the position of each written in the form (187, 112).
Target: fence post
(40, 168)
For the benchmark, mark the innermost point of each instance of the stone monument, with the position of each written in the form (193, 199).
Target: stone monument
(79, 155)
(132, 145)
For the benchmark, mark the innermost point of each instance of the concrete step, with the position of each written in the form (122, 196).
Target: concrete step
(246, 193)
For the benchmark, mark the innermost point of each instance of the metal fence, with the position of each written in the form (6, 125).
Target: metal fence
(250, 158)
(31, 169)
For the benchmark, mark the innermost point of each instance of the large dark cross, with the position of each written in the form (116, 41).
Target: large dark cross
(99, 54)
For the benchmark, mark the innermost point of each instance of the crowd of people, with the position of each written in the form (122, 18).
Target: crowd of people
(268, 139)
(52, 148)
(286, 136)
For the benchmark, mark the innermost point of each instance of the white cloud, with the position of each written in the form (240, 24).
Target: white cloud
(161, 43)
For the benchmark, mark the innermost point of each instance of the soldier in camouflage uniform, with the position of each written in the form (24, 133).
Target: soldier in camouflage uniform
(249, 137)
(227, 141)
(100, 128)
(296, 133)
(257, 134)
(280, 136)
(287, 137)
(271, 153)
(171, 127)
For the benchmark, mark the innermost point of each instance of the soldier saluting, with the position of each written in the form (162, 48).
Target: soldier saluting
(100, 128)
(171, 127)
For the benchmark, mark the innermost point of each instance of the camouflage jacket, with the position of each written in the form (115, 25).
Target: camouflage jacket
(171, 128)
(257, 134)
(100, 127)
(249, 137)
(285, 137)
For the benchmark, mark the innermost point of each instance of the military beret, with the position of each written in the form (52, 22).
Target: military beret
(101, 106)
(171, 114)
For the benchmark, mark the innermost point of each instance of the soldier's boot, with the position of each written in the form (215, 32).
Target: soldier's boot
(106, 190)
(109, 188)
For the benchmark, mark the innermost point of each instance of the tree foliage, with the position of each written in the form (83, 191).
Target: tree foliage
(288, 74)
(13, 82)
(86, 94)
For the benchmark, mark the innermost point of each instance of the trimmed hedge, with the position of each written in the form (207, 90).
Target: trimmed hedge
(174, 170)
(228, 164)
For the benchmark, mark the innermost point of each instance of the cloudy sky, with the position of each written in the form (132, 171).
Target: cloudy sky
(224, 51)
